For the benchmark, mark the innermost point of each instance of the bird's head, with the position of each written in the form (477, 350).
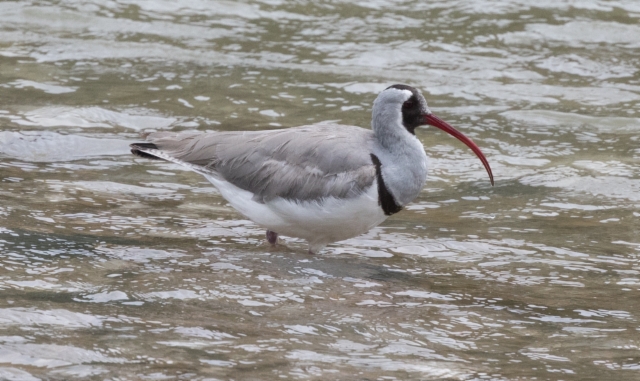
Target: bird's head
(403, 107)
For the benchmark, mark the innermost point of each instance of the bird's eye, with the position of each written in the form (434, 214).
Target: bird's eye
(408, 104)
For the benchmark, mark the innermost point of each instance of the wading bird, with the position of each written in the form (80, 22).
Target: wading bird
(324, 182)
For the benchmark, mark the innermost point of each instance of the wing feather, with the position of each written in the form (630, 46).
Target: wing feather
(304, 163)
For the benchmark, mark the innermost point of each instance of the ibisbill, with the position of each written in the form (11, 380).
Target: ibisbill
(324, 182)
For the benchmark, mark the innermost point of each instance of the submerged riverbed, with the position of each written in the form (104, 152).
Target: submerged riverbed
(117, 267)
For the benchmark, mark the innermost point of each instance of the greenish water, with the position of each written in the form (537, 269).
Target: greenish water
(114, 267)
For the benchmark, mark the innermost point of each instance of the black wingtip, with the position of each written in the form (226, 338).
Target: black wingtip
(137, 147)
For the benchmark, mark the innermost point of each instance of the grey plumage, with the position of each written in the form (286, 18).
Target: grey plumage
(323, 183)
(306, 163)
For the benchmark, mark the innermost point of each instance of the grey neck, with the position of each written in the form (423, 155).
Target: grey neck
(401, 154)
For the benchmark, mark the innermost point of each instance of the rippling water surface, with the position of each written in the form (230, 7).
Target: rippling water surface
(117, 267)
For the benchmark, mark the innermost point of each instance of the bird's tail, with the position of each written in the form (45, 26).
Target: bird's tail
(149, 150)
(142, 150)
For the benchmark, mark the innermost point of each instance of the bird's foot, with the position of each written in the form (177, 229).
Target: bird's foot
(272, 237)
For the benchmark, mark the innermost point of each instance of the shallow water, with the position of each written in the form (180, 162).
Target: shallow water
(117, 267)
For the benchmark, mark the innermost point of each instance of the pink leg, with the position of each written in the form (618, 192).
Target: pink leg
(272, 237)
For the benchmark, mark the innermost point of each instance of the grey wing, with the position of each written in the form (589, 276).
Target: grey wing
(304, 163)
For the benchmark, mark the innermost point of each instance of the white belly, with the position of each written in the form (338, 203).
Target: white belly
(318, 223)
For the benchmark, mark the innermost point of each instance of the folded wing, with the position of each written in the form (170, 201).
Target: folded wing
(306, 163)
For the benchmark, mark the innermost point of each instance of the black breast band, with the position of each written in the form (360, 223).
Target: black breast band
(385, 198)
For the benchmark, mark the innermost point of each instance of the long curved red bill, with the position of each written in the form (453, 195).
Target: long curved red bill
(434, 121)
